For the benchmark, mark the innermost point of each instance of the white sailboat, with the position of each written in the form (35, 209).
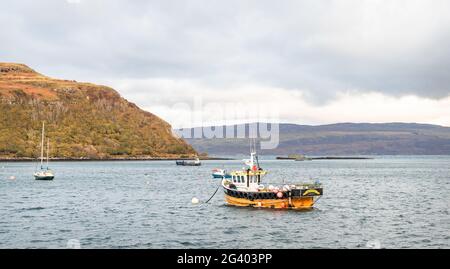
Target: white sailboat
(44, 174)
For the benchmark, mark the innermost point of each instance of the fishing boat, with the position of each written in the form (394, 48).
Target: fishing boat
(245, 188)
(196, 162)
(220, 173)
(44, 173)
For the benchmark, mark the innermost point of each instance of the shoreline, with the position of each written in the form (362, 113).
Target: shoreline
(324, 158)
(341, 158)
(279, 158)
(112, 159)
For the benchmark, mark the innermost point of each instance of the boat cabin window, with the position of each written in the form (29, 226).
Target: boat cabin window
(241, 179)
(238, 179)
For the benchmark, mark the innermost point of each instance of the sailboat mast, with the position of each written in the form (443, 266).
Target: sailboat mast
(42, 145)
(48, 149)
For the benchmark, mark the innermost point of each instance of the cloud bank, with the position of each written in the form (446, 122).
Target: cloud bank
(321, 56)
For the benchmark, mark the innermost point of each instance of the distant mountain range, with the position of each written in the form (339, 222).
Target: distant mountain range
(341, 139)
(83, 120)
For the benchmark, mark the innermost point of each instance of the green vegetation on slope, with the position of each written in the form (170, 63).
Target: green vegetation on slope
(82, 120)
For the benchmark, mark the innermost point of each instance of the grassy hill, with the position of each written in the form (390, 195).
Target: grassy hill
(343, 139)
(83, 120)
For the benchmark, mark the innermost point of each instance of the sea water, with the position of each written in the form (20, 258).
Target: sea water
(386, 202)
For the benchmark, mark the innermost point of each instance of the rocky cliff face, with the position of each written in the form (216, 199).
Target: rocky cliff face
(83, 120)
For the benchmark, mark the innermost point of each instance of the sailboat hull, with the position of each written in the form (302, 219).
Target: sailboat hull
(44, 177)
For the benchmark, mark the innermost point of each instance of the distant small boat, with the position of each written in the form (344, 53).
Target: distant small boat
(220, 173)
(296, 157)
(189, 163)
(44, 174)
(284, 158)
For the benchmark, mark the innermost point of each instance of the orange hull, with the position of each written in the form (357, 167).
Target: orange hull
(294, 203)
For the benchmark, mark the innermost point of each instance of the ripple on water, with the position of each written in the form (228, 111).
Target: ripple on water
(31, 208)
(370, 200)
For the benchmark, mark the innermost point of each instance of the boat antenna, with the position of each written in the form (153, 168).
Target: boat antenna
(254, 145)
(257, 161)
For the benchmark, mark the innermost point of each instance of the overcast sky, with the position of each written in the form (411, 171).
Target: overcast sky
(309, 62)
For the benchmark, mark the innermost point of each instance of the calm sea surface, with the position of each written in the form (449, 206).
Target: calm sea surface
(388, 202)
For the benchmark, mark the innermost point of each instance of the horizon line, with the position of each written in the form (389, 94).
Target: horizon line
(312, 125)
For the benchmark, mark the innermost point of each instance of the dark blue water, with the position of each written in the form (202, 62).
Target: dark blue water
(389, 202)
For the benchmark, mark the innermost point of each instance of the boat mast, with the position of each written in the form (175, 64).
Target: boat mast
(42, 145)
(254, 154)
(48, 149)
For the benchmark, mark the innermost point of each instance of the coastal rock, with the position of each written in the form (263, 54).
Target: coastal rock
(83, 120)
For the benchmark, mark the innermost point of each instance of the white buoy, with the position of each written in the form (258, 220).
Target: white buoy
(195, 200)
(12, 178)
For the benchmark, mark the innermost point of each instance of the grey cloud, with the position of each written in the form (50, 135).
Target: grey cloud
(320, 46)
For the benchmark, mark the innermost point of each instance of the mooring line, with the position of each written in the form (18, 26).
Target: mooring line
(214, 192)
